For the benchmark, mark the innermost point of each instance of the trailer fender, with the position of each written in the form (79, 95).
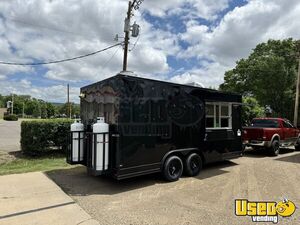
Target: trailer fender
(181, 152)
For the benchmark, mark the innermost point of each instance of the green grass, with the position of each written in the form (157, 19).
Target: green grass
(29, 164)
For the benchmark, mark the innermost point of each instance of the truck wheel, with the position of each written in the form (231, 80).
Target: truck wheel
(193, 164)
(297, 145)
(275, 148)
(173, 168)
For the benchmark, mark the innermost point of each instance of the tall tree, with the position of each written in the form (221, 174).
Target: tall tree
(51, 110)
(268, 74)
(33, 108)
(2, 104)
(75, 109)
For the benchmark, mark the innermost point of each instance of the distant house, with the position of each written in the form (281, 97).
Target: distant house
(2, 111)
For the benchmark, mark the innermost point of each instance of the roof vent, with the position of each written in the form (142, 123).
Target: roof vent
(128, 73)
(195, 84)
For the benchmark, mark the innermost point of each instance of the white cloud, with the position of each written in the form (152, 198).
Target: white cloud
(238, 32)
(195, 32)
(205, 9)
(51, 30)
(25, 83)
(208, 75)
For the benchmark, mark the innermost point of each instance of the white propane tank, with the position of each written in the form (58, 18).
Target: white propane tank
(77, 129)
(100, 131)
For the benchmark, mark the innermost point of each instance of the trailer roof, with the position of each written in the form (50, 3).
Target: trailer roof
(160, 81)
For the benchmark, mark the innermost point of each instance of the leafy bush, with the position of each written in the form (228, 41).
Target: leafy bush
(40, 136)
(10, 117)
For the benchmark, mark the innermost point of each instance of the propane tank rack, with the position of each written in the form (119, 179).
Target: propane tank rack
(75, 150)
(97, 162)
(90, 147)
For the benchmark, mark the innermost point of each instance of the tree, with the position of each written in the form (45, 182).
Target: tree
(250, 110)
(33, 108)
(268, 75)
(43, 108)
(75, 109)
(51, 110)
(2, 103)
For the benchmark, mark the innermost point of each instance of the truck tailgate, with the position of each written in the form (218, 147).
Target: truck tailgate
(253, 133)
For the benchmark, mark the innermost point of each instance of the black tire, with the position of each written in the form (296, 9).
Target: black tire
(243, 148)
(297, 145)
(275, 148)
(193, 165)
(173, 168)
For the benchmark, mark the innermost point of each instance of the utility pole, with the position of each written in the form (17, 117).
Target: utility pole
(126, 41)
(297, 94)
(68, 104)
(12, 103)
(23, 110)
(135, 4)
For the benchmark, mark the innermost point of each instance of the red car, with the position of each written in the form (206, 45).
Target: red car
(271, 134)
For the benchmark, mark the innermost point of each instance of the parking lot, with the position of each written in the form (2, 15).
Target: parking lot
(205, 199)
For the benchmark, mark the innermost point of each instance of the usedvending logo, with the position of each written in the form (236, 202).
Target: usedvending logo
(264, 211)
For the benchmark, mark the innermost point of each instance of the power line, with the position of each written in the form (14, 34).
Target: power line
(135, 43)
(59, 61)
(113, 55)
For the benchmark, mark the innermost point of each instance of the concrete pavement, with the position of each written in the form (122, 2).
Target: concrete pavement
(32, 198)
(10, 133)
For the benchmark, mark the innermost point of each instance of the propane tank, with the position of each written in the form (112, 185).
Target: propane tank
(77, 129)
(101, 137)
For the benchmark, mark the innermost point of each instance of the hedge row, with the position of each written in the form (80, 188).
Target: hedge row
(39, 136)
(10, 117)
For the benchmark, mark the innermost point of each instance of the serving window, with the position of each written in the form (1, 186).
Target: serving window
(218, 115)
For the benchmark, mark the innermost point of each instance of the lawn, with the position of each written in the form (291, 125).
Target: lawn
(26, 164)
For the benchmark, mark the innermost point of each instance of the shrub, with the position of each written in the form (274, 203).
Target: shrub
(10, 117)
(40, 136)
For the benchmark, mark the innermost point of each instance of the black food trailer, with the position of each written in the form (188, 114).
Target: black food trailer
(156, 126)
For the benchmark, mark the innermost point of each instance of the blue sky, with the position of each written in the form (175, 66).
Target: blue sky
(181, 40)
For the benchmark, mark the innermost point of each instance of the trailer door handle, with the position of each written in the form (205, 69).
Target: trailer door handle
(115, 135)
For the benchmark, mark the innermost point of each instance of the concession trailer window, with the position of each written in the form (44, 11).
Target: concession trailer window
(218, 115)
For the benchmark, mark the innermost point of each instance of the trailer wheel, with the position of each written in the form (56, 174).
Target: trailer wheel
(193, 164)
(173, 168)
(275, 147)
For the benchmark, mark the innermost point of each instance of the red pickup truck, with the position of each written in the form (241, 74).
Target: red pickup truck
(271, 133)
